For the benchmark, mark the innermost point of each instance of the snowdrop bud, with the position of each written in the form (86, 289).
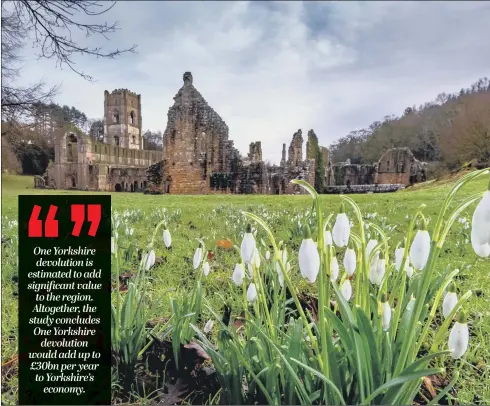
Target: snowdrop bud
(480, 226)
(284, 255)
(373, 268)
(328, 238)
(346, 289)
(280, 276)
(309, 258)
(256, 259)
(450, 301)
(341, 229)
(113, 245)
(386, 312)
(267, 255)
(131, 231)
(334, 269)
(167, 238)
(420, 249)
(459, 337)
(377, 270)
(409, 271)
(197, 257)
(247, 248)
(370, 246)
(399, 258)
(206, 268)
(150, 260)
(350, 261)
(250, 271)
(208, 326)
(238, 274)
(251, 293)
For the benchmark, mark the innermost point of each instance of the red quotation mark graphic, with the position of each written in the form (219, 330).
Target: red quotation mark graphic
(93, 217)
(35, 226)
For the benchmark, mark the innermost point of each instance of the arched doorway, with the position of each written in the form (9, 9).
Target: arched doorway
(118, 187)
(70, 182)
(168, 183)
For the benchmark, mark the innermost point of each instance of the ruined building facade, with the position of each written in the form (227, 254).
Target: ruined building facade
(198, 156)
(397, 167)
(117, 164)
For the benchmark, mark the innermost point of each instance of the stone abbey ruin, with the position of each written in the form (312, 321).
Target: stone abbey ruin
(199, 158)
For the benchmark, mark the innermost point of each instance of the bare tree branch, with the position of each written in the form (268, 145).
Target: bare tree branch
(52, 23)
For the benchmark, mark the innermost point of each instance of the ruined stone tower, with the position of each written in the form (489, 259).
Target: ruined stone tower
(122, 119)
(195, 142)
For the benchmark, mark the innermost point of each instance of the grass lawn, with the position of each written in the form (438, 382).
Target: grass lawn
(217, 217)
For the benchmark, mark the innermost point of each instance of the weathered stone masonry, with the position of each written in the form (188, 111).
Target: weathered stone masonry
(199, 158)
(117, 164)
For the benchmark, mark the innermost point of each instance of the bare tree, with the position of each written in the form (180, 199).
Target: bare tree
(16, 101)
(50, 23)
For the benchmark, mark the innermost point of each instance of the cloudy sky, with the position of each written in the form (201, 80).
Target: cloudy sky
(271, 68)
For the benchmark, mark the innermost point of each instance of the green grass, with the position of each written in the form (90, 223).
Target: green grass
(216, 217)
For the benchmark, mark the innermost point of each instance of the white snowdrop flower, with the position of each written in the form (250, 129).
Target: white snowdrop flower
(377, 272)
(370, 246)
(450, 301)
(328, 238)
(256, 259)
(167, 238)
(309, 258)
(373, 268)
(208, 326)
(127, 231)
(250, 271)
(247, 249)
(267, 255)
(350, 261)
(386, 312)
(409, 270)
(420, 249)
(280, 276)
(346, 289)
(399, 258)
(113, 245)
(251, 293)
(459, 337)
(150, 260)
(206, 268)
(197, 257)
(131, 231)
(238, 274)
(341, 229)
(480, 226)
(334, 269)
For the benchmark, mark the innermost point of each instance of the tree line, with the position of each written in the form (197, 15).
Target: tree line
(448, 132)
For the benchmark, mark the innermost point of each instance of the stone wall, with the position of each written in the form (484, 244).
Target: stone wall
(363, 189)
(398, 165)
(295, 152)
(345, 174)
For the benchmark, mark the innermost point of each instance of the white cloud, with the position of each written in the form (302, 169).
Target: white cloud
(270, 68)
